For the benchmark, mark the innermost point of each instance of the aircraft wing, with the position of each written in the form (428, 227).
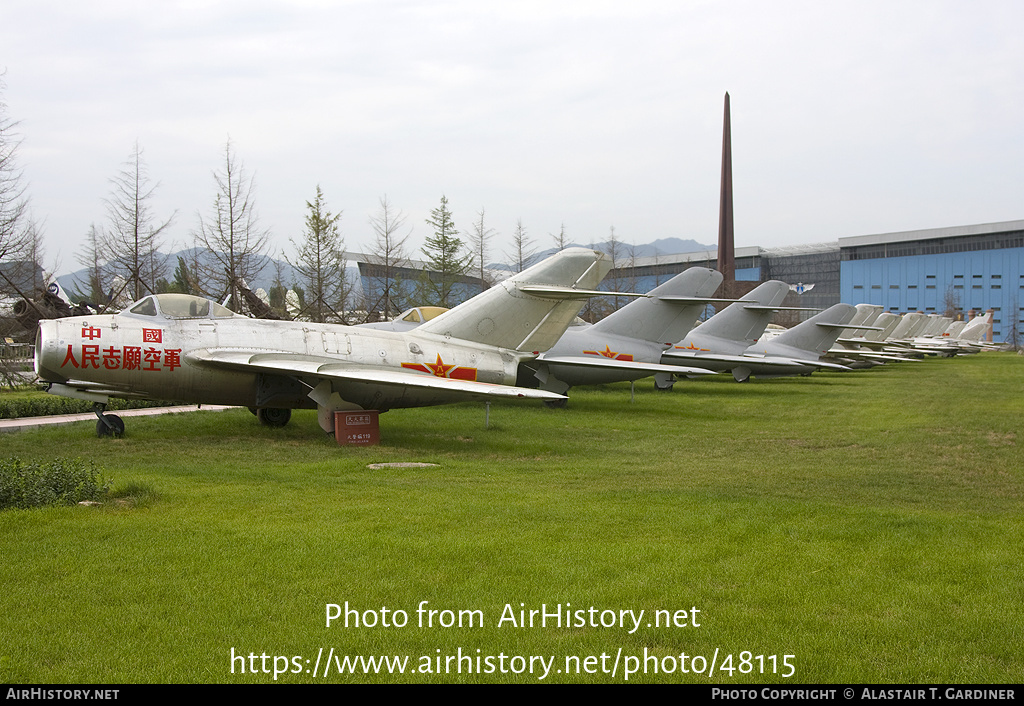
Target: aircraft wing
(721, 358)
(776, 361)
(869, 354)
(798, 361)
(436, 388)
(614, 364)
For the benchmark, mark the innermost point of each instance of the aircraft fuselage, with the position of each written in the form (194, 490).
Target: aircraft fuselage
(160, 358)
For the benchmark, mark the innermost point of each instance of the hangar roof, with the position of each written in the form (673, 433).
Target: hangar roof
(930, 233)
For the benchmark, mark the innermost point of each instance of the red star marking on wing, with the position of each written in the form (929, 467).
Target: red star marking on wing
(691, 347)
(609, 353)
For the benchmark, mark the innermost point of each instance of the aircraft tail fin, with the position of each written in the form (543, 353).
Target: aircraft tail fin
(866, 315)
(739, 325)
(531, 310)
(887, 321)
(818, 333)
(976, 328)
(668, 311)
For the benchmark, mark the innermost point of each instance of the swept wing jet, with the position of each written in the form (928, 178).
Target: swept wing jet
(799, 350)
(724, 342)
(719, 343)
(627, 344)
(189, 349)
(853, 348)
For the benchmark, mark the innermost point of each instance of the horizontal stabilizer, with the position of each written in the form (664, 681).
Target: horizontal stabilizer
(758, 307)
(824, 324)
(570, 293)
(692, 300)
(812, 363)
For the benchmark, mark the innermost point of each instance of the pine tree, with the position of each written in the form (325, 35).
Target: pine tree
(320, 263)
(445, 261)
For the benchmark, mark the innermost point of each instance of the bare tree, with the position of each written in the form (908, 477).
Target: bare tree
(95, 286)
(14, 231)
(523, 250)
(479, 239)
(1013, 324)
(951, 303)
(320, 262)
(30, 273)
(231, 233)
(384, 282)
(615, 251)
(632, 281)
(131, 242)
(561, 242)
(658, 273)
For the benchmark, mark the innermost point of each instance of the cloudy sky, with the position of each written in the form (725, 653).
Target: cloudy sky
(848, 118)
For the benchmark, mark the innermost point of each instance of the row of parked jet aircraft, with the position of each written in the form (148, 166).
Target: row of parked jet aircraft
(517, 339)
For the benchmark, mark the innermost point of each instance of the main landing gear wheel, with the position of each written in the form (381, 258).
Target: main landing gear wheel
(109, 425)
(273, 416)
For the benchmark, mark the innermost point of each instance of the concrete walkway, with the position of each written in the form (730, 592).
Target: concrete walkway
(7, 425)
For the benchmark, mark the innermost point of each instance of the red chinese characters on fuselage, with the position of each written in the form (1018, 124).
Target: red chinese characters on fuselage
(123, 358)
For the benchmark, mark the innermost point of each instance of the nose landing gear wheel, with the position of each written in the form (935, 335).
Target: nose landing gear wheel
(109, 425)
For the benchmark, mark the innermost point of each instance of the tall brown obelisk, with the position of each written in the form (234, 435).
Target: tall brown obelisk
(726, 247)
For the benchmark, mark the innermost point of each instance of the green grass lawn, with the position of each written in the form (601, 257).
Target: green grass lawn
(869, 524)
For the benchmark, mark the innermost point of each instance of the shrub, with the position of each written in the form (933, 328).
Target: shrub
(57, 482)
(43, 405)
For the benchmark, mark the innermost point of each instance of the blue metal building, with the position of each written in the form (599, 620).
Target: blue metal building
(942, 270)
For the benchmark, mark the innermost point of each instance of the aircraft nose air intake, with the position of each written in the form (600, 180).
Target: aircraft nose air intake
(46, 335)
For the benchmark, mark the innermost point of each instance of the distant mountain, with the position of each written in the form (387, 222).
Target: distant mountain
(674, 246)
(273, 268)
(665, 246)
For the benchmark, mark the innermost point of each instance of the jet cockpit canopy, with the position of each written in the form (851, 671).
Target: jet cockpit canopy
(179, 306)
